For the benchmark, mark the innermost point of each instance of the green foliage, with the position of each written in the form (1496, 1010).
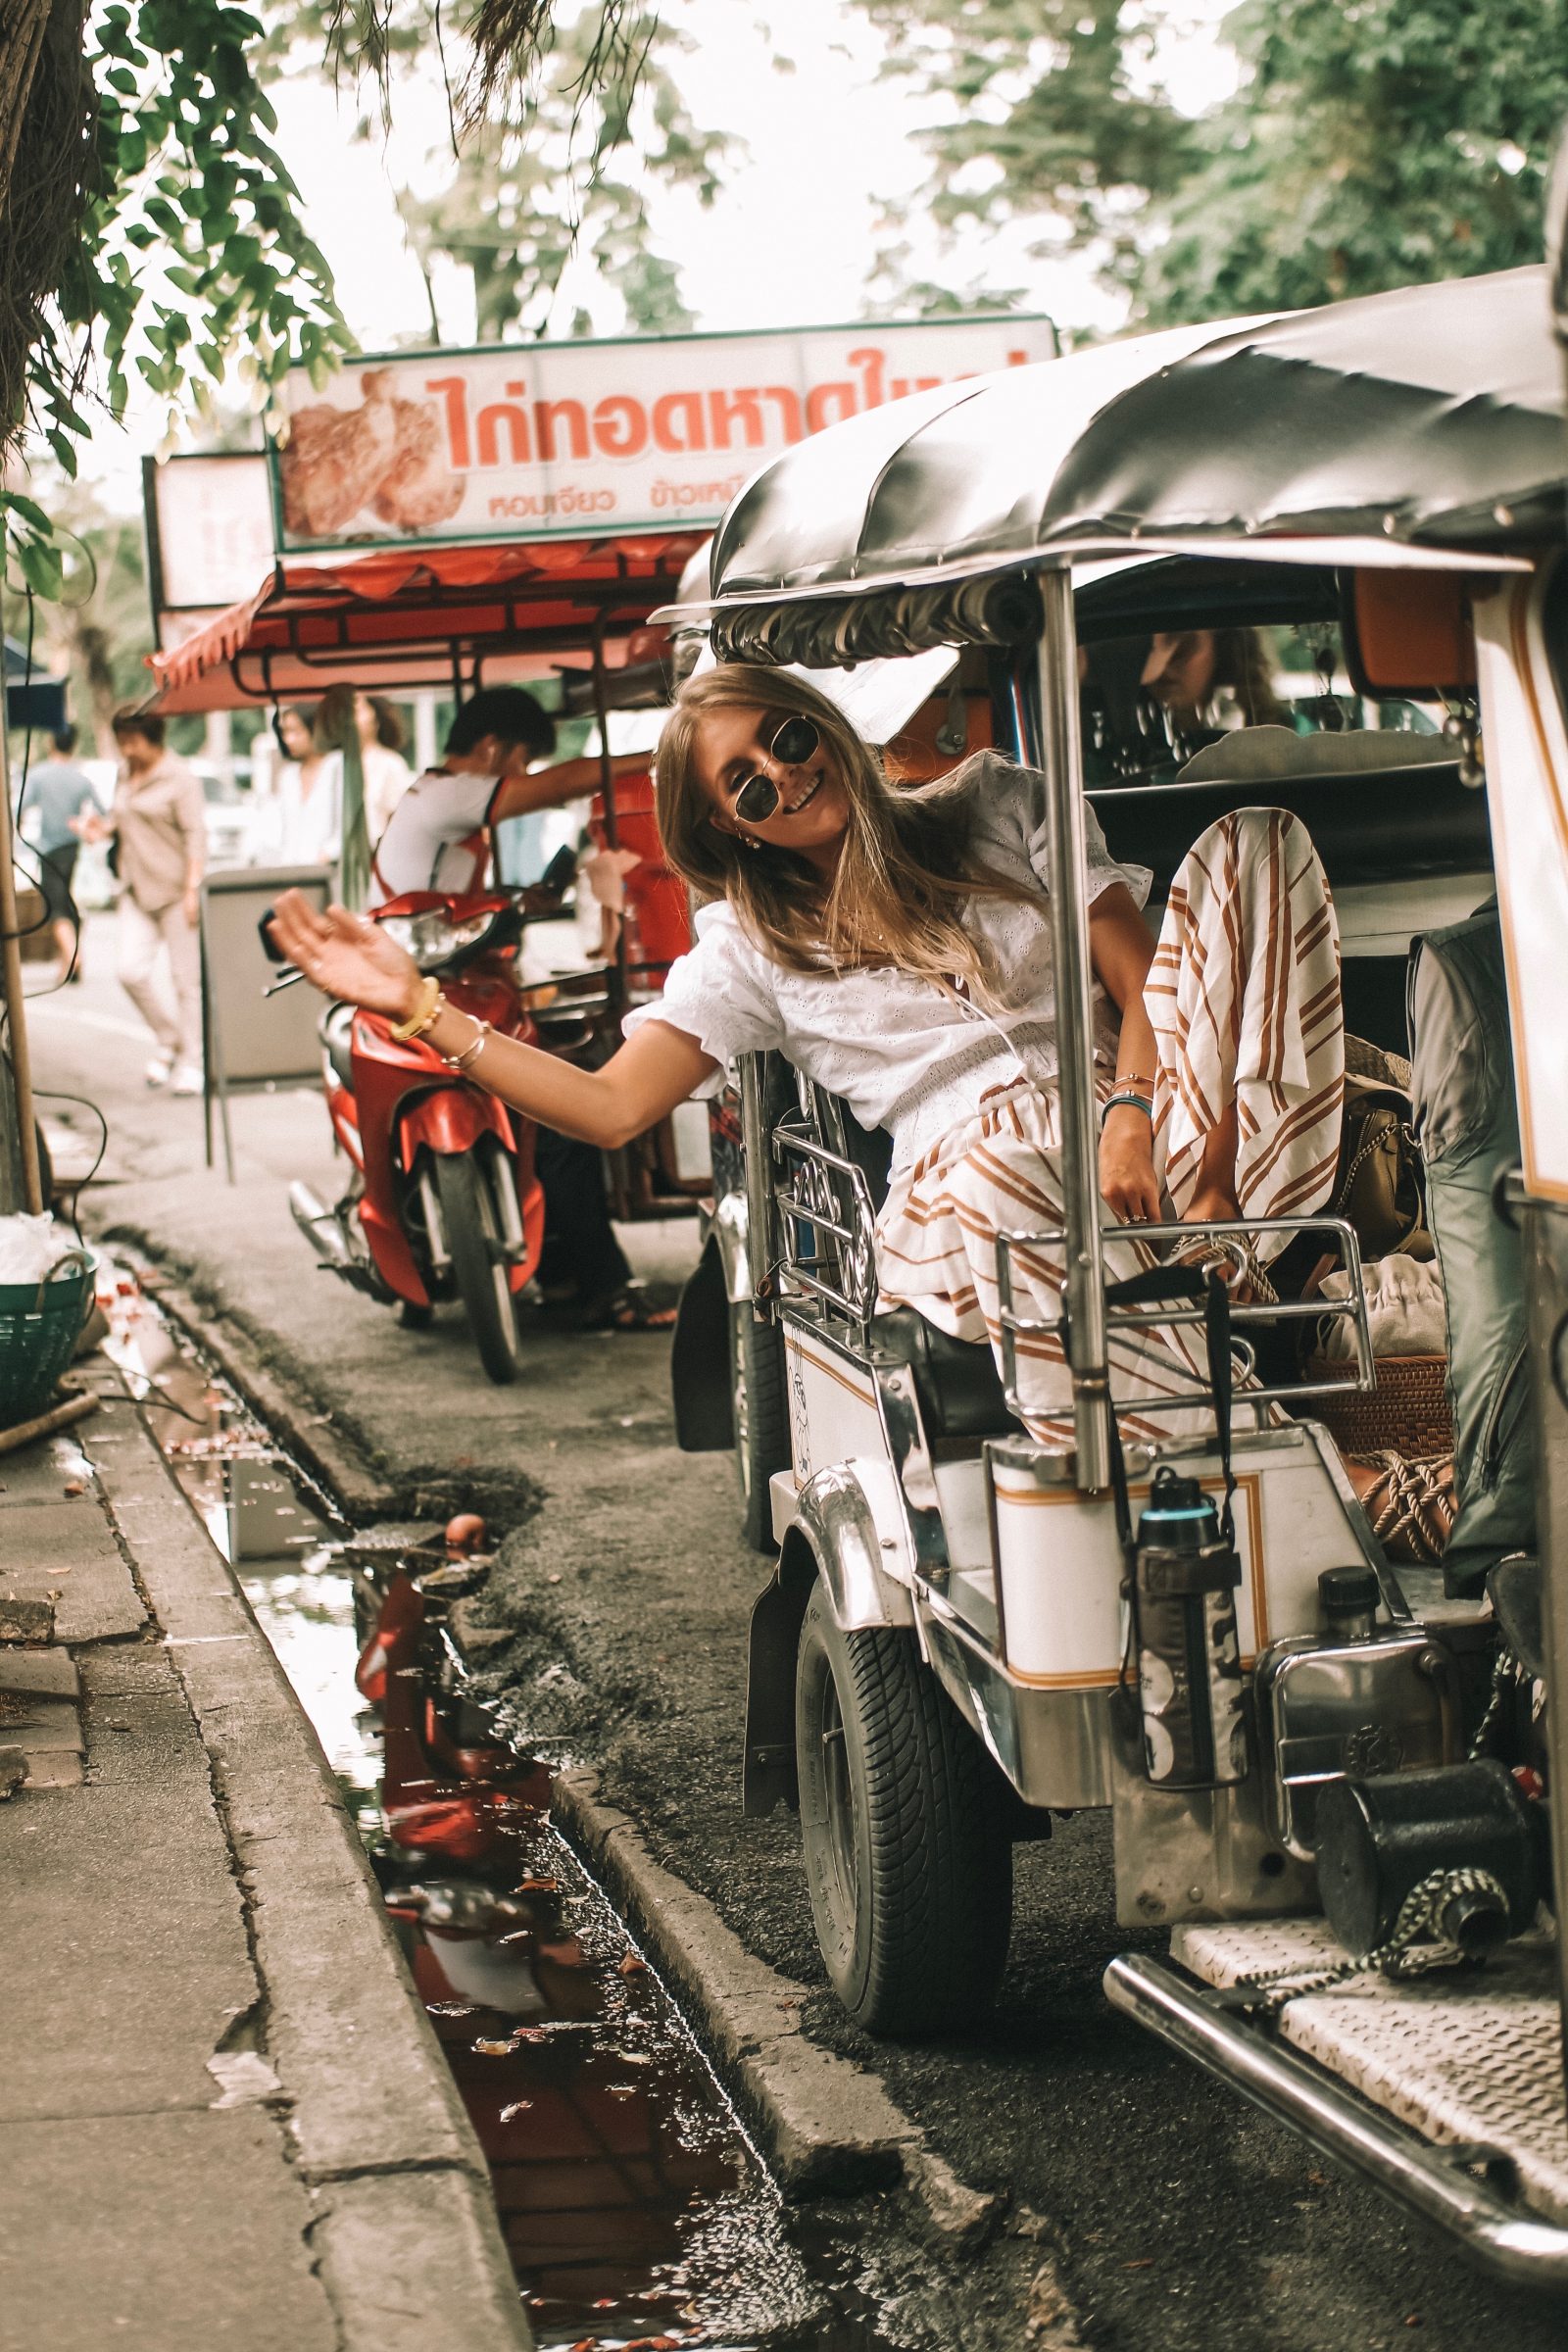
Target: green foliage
(99, 631)
(542, 173)
(192, 262)
(191, 252)
(1370, 143)
(1373, 144)
(1051, 106)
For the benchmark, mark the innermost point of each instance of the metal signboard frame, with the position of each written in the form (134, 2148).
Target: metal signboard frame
(167, 590)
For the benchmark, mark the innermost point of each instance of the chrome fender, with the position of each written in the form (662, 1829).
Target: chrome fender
(731, 1231)
(855, 1547)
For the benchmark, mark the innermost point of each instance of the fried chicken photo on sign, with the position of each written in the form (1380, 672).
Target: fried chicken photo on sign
(335, 460)
(419, 489)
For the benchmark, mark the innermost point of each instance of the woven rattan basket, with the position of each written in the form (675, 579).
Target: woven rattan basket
(1406, 1413)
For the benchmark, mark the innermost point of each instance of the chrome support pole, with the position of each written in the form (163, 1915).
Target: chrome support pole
(759, 1148)
(1506, 2236)
(1062, 758)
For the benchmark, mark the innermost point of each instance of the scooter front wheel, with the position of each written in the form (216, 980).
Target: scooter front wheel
(475, 1237)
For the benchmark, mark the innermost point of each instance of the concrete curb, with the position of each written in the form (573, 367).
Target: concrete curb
(826, 2128)
(404, 2229)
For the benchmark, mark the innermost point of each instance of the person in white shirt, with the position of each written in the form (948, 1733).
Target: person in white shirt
(379, 729)
(306, 811)
(895, 943)
(438, 838)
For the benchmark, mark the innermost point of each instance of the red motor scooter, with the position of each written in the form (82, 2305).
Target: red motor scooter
(444, 1202)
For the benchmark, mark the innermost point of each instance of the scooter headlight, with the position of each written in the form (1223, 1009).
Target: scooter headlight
(434, 937)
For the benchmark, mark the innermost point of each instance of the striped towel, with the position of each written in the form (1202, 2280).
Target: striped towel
(1245, 998)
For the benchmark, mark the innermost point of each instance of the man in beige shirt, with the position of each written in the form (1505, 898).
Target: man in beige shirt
(159, 820)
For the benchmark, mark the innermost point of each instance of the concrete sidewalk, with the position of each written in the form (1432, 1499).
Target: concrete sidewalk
(226, 2119)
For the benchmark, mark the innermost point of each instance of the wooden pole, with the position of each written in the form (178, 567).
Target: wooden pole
(11, 986)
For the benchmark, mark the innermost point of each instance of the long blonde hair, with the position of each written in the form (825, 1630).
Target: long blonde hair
(902, 881)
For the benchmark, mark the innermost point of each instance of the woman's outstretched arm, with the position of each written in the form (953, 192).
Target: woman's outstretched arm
(355, 961)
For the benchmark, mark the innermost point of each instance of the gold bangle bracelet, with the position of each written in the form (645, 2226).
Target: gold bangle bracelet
(431, 1004)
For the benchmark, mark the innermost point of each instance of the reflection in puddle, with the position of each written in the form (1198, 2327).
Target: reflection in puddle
(632, 2205)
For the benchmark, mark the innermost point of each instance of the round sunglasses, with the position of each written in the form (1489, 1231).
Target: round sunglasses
(792, 744)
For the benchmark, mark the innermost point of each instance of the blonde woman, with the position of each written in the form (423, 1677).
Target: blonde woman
(894, 942)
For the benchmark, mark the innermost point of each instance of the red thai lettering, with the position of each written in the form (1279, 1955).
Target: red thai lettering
(686, 407)
(575, 415)
(789, 411)
(818, 413)
(453, 392)
(487, 431)
(870, 363)
(620, 426)
(743, 408)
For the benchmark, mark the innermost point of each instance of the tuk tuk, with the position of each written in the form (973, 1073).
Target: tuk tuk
(1331, 1770)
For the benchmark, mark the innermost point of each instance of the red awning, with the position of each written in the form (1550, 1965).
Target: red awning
(401, 618)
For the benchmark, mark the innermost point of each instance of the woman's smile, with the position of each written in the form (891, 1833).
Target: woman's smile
(803, 800)
(812, 810)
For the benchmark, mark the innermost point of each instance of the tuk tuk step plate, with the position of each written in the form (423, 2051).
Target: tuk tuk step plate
(1473, 2058)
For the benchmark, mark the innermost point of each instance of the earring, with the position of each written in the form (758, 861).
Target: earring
(748, 840)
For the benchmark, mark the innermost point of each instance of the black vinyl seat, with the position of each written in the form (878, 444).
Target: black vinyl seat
(956, 1381)
(336, 1032)
(1389, 824)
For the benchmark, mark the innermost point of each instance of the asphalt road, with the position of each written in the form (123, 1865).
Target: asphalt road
(1180, 2222)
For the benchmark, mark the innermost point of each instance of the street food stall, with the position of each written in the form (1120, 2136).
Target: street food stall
(452, 520)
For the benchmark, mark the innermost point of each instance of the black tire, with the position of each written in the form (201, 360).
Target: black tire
(904, 1830)
(474, 1233)
(760, 1402)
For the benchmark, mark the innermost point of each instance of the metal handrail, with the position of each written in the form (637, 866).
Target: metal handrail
(854, 1256)
(1352, 1309)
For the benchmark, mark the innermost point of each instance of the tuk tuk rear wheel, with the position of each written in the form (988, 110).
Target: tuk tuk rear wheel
(760, 1406)
(908, 1854)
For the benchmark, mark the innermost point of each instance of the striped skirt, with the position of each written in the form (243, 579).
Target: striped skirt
(1245, 998)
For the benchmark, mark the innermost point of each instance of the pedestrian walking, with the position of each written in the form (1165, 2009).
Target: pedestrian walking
(159, 824)
(61, 796)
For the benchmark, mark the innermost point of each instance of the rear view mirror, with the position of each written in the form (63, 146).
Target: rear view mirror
(1409, 634)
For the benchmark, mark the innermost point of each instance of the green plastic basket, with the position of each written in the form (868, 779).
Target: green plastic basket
(41, 1323)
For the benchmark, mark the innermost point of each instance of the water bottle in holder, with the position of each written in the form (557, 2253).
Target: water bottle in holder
(1186, 1572)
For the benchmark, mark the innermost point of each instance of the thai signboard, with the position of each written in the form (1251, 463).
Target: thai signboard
(566, 439)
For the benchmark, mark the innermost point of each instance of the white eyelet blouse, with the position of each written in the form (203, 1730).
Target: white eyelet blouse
(903, 1053)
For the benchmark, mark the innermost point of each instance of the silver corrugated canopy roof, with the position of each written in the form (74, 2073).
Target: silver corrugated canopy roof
(1431, 417)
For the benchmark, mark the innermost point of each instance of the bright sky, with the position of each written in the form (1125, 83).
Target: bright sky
(831, 164)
